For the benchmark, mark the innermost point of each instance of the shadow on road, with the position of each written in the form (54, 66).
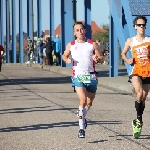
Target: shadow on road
(40, 80)
(53, 125)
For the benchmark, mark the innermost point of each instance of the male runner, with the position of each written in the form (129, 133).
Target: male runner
(139, 69)
(84, 55)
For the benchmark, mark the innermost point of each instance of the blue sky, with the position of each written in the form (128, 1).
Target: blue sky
(99, 13)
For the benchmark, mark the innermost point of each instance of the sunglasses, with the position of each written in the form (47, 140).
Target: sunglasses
(139, 25)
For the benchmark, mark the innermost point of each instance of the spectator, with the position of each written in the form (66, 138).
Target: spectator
(38, 49)
(49, 49)
(44, 48)
(41, 48)
(29, 49)
(57, 49)
(102, 47)
(104, 51)
(35, 53)
(10, 51)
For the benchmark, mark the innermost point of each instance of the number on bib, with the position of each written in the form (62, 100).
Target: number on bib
(84, 78)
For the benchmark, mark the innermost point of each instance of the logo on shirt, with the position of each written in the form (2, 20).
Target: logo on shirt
(142, 53)
(142, 50)
(75, 48)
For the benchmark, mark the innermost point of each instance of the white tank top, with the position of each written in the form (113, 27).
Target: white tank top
(135, 42)
(82, 62)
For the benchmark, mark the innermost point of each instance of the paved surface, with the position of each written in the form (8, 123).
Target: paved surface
(37, 112)
(116, 83)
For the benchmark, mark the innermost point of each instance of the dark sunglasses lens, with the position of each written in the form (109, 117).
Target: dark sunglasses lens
(139, 25)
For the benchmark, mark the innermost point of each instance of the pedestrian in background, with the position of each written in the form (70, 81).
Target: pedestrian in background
(57, 50)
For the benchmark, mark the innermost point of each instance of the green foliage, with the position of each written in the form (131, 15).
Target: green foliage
(102, 36)
(105, 27)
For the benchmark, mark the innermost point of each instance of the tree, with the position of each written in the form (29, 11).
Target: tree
(102, 36)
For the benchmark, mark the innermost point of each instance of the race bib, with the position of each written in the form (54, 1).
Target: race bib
(84, 78)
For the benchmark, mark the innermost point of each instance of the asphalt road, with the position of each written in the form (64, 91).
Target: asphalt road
(37, 112)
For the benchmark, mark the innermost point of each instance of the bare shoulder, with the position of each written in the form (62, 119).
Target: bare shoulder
(149, 38)
(95, 44)
(129, 41)
(68, 45)
(67, 50)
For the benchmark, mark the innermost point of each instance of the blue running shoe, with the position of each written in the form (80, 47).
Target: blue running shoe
(81, 134)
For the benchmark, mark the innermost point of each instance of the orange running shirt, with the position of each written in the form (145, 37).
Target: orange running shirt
(140, 50)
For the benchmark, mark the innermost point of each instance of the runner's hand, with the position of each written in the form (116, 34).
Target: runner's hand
(130, 61)
(68, 61)
(95, 58)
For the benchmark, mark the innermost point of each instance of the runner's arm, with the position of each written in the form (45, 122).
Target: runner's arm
(98, 53)
(126, 49)
(66, 54)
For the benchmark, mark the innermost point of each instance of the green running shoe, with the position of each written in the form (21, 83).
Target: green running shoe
(137, 128)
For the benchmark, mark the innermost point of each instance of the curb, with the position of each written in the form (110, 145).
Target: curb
(106, 82)
(115, 85)
(102, 81)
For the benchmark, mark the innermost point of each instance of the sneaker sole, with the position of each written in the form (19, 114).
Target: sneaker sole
(136, 135)
(81, 136)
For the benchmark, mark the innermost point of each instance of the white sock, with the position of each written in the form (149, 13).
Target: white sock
(82, 113)
(87, 108)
